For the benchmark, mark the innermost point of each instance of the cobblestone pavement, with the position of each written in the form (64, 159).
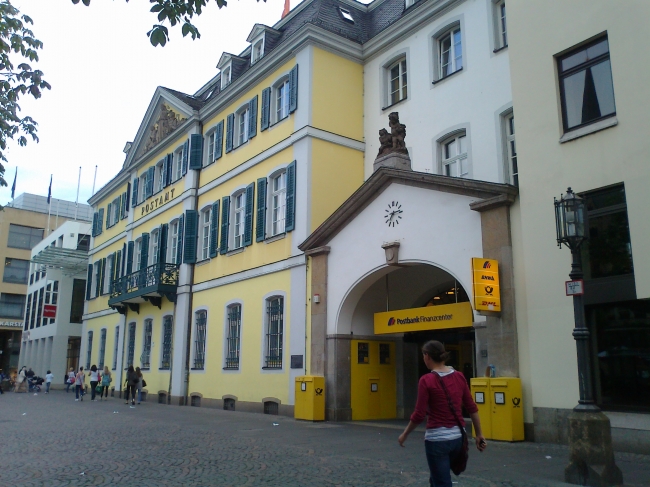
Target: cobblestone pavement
(51, 440)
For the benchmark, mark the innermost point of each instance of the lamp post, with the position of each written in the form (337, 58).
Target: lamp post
(590, 438)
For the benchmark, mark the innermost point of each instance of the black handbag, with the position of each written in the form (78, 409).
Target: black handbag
(458, 464)
(144, 383)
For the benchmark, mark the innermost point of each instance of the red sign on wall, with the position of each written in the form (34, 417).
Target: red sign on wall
(49, 311)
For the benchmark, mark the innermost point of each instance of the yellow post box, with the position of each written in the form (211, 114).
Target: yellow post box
(310, 398)
(480, 387)
(507, 418)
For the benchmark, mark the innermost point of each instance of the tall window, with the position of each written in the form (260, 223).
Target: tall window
(500, 24)
(511, 149)
(178, 163)
(586, 87)
(28, 311)
(454, 156)
(242, 126)
(274, 332)
(21, 237)
(90, 349)
(205, 233)
(211, 141)
(115, 345)
(233, 338)
(160, 175)
(199, 342)
(225, 77)
(278, 202)
(155, 244)
(173, 242)
(138, 254)
(397, 81)
(258, 51)
(167, 342)
(16, 271)
(282, 100)
(102, 348)
(239, 220)
(108, 274)
(12, 305)
(450, 52)
(131, 349)
(145, 358)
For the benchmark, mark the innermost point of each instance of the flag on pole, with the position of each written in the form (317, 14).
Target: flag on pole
(49, 191)
(13, 186)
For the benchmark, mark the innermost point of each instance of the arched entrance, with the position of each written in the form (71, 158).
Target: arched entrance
(390, 314)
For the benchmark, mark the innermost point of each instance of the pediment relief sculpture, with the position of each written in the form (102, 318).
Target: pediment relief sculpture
(167, 122)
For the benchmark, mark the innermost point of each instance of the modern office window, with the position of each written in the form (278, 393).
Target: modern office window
(233, 329)
(204, 234)
(241, 127)
(28, 311)
(586, 87)
(78, 297)
(89, 350)
(450, 52)
(145, 358)
(102, 349)
(115, 347)
(34, 308)
(178, 163)
(168, 322)
(131, 345)
(21, 237)
(12, 305)
(281, 100)
(397, 82)
(39, 309)
(278, 196)
(274, 332)
(500, 26)
(16, 271)
(173, 242)
(201, 318)
(239, 219)
(454, 156)
(511, 149)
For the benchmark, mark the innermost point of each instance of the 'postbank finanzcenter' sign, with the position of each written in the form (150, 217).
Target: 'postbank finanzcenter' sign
(456, 315)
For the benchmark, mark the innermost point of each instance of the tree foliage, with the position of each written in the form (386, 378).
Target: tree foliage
(18, 51)
(174, 12)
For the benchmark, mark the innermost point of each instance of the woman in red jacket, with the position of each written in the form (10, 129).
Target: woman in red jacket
(443, 438)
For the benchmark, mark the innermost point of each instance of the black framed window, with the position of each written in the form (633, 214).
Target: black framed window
(586, 87)
(16, 271)
(21, 237)
(167, 342)
(131, 349)
(274, 333)
(145, 358)
(102, 348)
(233, 339)
(90, 349)
(199, 343)
(115, 345)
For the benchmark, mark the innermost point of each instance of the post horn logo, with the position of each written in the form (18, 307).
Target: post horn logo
(318, 391)
(516, 401)
(488, 290)
(391, 321)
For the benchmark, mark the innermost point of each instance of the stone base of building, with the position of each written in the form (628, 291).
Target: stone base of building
(393, 160)
(197, 400)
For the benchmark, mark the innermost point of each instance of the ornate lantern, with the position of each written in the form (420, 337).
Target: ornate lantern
(570, 220)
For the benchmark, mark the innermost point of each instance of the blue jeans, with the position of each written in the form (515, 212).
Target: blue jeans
(439, 455)
(79, 392)
(47, 386)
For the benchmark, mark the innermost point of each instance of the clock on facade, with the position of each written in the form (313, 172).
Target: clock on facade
(393, 214)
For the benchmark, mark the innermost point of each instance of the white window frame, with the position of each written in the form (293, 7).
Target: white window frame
(255, 55)
(137, 255)
(459, 158)
(409, 3)
(178, 163)
(107, 273)
(95, 283)
(142, 184)
(266, 348)
(173, 241)
(115, 213)
(154, 244)
(158, 176)
(204, 233)
(402, 77)
(227, 335)
(211, 139)
(236, 238)
(205, 341)
(499, 17)
(438, 39)
(148, 320)
(280, 108)
(510, 152)
(272, 205)
(226, 75)
(241, 129)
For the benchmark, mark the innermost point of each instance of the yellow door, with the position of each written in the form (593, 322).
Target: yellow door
(373, 380)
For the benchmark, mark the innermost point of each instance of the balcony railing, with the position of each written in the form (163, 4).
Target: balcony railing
(154, 281)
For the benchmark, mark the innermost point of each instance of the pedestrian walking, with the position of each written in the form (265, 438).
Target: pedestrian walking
(48, 381)
(106, 382)
(94, 380)
(79, 384)
(21, 380)
(131, 382)
(441, 393)
(140, 383)
(71, 379)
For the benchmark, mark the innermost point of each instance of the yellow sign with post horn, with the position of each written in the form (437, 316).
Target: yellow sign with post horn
(485, 280)
(455, 315)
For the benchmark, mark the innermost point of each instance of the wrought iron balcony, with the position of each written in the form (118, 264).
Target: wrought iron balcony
(149, 284)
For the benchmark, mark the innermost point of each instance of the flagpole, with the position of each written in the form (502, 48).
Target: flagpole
(49, 205)
(56, 222)
(76, 202)
(94, 180)
(13, 188)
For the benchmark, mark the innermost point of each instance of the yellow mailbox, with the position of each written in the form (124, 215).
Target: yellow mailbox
(480, 387)
(310, 398)
(507, 418)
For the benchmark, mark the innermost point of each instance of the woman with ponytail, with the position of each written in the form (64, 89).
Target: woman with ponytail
(441, 395)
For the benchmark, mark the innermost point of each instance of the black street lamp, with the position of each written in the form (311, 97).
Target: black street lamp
(591, 454)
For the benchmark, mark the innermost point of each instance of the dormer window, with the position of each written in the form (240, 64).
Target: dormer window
(346, 15)
(225, 76)
(258, 50)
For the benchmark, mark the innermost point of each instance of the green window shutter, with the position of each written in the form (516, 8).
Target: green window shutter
(123, 206)
(117, 268)
(186, 148)
(100, 221)
(102, 274)
(151, 175)
(266, 109)
(98, 277)
(163, 169)
(162, 244)
(196, 151)
(123, 269)
(169, 169)
(260, 226)
(252, 117)
(248, 211)
(134, 194)
(111, 278)
(218, 141)
(290, 218)
(89, 282)
(129, 258)
(94, 230)
(214, 230)
(128, 197)
(179, 243)
(225, 217)
(108, 216)
(293, 89)
(191, 229)
(230, 126)
(144, 251)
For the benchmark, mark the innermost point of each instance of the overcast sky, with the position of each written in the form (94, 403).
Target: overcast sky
(103, 73)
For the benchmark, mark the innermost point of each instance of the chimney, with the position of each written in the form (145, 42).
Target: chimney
(287, 8)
